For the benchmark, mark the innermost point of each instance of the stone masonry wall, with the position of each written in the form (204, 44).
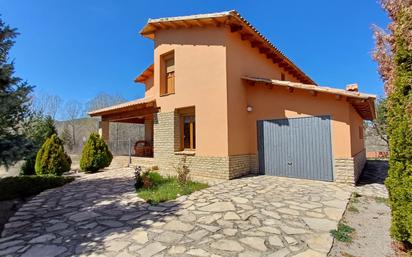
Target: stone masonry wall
(348, 170)
(167, 155)
(359, 163)
(240, 165)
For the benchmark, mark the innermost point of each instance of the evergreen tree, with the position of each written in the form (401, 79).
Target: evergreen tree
(51, 158)
(37, 129)
(14, 103)
(394, 55)
(95, 154)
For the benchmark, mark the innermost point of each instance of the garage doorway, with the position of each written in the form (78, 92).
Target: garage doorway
(296, 148)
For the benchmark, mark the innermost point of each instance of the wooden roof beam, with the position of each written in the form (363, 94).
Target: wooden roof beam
(185, 24)
(246, 36)
(199, 23)
(264, 50)
(172, 24)
(216, 22)
(162, 25)
(235, 27)
(255, 44)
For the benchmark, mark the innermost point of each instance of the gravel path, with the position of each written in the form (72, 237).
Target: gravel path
(371, 237)
(372, 223)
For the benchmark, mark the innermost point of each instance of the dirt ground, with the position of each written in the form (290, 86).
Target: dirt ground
(11, 171)
(370, 217)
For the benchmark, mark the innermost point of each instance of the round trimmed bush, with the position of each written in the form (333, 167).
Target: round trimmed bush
(51, 158)
(95, 155)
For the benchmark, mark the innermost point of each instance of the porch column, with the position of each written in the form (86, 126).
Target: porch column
(104, 130)
(148, 130)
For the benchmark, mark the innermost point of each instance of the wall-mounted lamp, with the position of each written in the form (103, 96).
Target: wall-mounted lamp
(249, 108)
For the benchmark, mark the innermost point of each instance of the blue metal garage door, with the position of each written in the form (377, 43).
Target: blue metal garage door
(297, 148)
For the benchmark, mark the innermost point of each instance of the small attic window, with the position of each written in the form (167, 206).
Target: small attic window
(282, 76)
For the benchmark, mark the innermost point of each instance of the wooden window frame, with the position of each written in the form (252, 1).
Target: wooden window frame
(167, 77)
(361, 136)
(282, 76)
(192, 133)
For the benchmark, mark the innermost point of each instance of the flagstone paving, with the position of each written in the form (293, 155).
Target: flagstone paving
(101, 215)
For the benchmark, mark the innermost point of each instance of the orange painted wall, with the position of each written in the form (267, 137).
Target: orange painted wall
(209, 64)
(200, 81)
(357, 144)
(278, 103)
(149, 90)
(273, 104)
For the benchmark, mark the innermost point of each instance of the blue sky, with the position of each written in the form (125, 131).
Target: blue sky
(79, 48)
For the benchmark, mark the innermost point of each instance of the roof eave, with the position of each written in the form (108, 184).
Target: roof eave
(230, 16)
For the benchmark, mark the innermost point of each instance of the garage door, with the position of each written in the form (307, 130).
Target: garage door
(297, 148)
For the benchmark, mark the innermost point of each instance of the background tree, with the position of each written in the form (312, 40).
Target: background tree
(47, 105)
(103, 100)
(14, 102)
(66, 137)
(393, 53)
(36, 129)
(380, 122)
(73, 110)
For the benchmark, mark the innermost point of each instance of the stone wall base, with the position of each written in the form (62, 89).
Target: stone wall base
(208, 167)
(167, 154)
(348, 170)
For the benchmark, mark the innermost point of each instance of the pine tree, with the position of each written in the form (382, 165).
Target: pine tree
(14, 103)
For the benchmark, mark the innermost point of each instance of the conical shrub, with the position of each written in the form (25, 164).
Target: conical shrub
(51, 158)
(95, 155)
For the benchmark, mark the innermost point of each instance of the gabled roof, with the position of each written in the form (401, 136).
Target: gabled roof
(363, 103)
(123, 106)
(145, 74)
(236, 23)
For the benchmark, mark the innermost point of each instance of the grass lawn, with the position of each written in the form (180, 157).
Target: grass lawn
(164, 189)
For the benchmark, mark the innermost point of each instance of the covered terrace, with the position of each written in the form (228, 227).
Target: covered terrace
(139, 111)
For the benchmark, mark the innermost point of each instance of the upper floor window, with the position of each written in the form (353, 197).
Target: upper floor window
(168, 81)
(282, 76)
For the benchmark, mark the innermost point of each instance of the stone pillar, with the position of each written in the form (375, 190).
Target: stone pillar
(104, 130)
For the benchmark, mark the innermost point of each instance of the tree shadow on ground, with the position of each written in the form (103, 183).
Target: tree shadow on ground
(374, 172)
(93, 215)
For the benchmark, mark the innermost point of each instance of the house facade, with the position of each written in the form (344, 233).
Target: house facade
(219, 93)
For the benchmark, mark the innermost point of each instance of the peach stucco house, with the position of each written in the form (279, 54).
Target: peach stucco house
(220, 93)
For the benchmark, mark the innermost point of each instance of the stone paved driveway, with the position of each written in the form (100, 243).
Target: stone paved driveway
(100, 215)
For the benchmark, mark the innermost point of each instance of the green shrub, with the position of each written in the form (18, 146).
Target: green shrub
(28, 166)
(51, 158)
(25, 186)
(399, 129)
(95, 154)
